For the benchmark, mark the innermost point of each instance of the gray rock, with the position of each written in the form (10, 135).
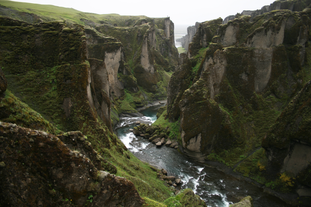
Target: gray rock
(245, 202)
(102, 175)
(169, 142)
(156, 140)
(159, 144)
(164, 172)
(178, 181)
(172, 178)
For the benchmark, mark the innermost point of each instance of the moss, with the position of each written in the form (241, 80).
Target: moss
(166, 125)
(153, 203)
(15, 111)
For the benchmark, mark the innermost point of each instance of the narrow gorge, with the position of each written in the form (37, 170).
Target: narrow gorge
(237, 104)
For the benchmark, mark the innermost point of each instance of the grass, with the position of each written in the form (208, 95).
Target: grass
(50, 12)
(144, 178)
(20, 113)
(173, 127)
(181, 50)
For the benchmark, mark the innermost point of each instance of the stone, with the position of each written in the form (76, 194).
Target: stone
(2, 164)
(178, 181)
(174, 144)
(245, 202)
(164, 172)
(162, 141)
(172, 178)
(102, 175)
(156, 140)
(169, 142)
(159, 144)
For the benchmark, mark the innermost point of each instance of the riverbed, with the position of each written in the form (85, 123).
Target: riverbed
(216, 188)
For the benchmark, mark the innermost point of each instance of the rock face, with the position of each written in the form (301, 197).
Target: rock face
(3, 82)
(236, 65)
(185, 40)
(277, 5)
(150, 51)
(240, 90)
(203, 36)
(288, 142)
(41, 170)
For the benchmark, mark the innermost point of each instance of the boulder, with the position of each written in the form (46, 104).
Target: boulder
(245, 202)
(159, 144)
(172, 178)
(164, 172)
(178, 181)
(174, 144)
(156, 140)
(169, 142)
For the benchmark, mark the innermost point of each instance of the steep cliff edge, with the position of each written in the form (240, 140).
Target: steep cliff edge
(235, 87)
(137, 53)
(277, 5)
(77, 79)
(185, 40)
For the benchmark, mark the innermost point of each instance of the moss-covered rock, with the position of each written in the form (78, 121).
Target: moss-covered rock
(287, 142)
(40, 169)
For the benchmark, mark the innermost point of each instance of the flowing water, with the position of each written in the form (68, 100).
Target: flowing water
(214, 187)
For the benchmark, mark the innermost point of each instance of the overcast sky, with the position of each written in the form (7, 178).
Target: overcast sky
(180, 12)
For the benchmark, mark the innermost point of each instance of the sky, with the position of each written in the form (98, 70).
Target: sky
(180, 12)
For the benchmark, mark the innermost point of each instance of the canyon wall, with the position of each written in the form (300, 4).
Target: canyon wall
(238, 85)
(78, 77)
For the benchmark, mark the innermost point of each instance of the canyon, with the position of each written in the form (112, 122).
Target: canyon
(239, 97)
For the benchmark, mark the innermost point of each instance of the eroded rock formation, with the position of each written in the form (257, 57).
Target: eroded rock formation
(33, 160)
(236, 85)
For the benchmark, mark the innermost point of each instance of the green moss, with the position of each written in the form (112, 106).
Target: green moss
(173, 127)
(15, 111)
(153, 203)
(181, 50)
(141, 174)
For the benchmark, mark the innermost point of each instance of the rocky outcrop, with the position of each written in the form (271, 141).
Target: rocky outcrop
(179, 82)
(237, 89)
(243, 80)
(276, 5)
(185, 40)
(288, 142)
(203, 36)
(150, 51)
(41, 170)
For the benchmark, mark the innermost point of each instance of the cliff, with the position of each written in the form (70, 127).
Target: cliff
(65, 80)
(235, 90)
(277, 5)
(185, 40)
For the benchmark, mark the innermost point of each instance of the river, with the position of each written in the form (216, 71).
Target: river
(216, 188)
